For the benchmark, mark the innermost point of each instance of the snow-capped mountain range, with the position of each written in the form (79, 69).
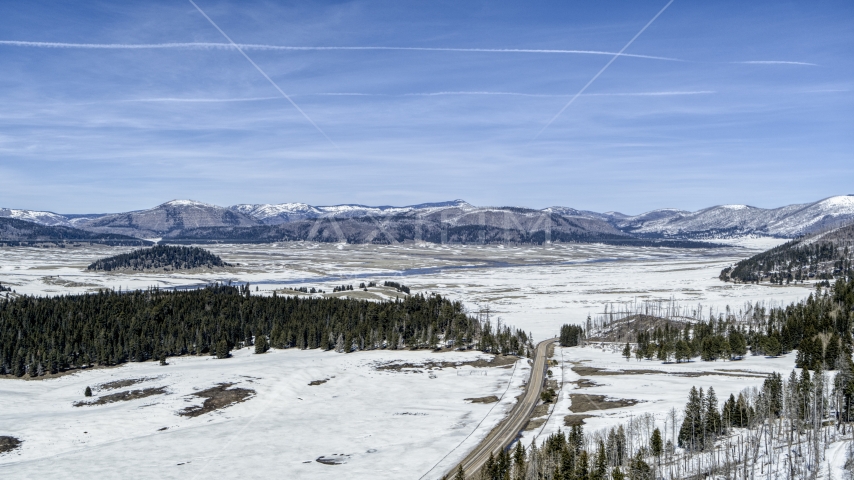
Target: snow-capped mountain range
(721, 221)
(736, 220)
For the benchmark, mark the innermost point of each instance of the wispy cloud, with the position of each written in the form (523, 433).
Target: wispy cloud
(250, 46)
(775, 62)
(590, 82)
(520, 94)
(418, 94)
(264, 74)
(200, 100)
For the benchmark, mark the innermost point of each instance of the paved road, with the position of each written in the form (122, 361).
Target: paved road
(506, 431)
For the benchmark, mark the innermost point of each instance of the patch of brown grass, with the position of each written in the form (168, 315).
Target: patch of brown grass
(535, 424)
(595, 371)
(121, 383)
(500, 361)
(124, 396)
(582, 402)
(585, 383)
(540, 411)
(217, 398)
(575, 420)
(489, 399)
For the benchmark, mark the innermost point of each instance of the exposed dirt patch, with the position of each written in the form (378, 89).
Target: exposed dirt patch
(582, 402)
(7, 444)
(124, 396)
(334, 459)
(317, 382)
(575, 420)
(489, 399)
(217, 398)
(535, 424)
(540, 411)
(585, 383)
(121, 383)
(496, 361)
(595, 371)
(59, 281)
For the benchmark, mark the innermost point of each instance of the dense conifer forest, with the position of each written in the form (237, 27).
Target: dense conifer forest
(826, 256)
(14, 233)
(571, 335)
(780, 430)
(47, 335)
(819, 328)
(160, 257)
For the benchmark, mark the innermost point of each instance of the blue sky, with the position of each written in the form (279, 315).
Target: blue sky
(116, 106)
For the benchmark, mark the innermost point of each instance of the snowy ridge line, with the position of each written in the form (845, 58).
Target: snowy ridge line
(718, 222)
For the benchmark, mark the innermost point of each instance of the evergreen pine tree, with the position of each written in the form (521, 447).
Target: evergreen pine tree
(261, 344)
(222, 350)
(691, 432)
(682, 351)
(600, 463)
(461, 474)
(655, 444)
(617, 474)
(639, 469)
(627, 351)
(713, 416)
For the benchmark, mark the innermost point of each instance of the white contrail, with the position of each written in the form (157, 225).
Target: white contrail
(230, 41)
(200, 100)
(250, 46)
(416, 94)
(602, 70)
(255, 46)
(775, 62)
(619, 94)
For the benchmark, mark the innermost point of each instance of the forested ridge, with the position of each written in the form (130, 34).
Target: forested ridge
(47, 335)
(819, 328)
(160, 257)
(825, 256)
(782, 429)
(14, 232)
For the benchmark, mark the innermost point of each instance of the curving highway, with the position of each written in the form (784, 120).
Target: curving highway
(506, 431)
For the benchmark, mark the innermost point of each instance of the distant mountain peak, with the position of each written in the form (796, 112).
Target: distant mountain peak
(186, 203)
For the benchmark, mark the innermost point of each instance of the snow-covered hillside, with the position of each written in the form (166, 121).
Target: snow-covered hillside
(722, 221)
(275, 214)
(735, 220)
(35, 216)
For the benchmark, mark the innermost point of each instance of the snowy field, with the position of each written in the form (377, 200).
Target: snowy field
(374, 423)
(379, 423)
(537, 288)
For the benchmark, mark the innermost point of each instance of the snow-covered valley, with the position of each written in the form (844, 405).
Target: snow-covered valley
(364, 422)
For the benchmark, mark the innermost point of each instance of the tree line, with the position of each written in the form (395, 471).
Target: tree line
(819, 328)
(779, 430)
(794, 261)
(46, 335)
(160, 256)
(571, 335)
